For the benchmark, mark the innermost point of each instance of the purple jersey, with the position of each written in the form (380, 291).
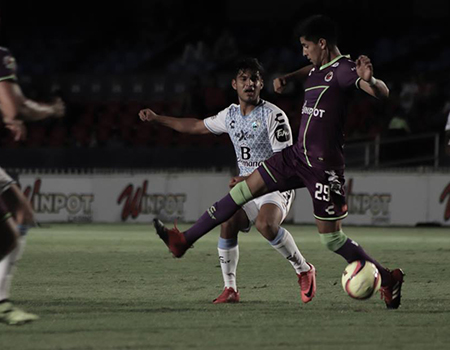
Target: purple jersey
(327, 94)
(7, 65)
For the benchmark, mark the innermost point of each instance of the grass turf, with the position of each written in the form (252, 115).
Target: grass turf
(116, 287)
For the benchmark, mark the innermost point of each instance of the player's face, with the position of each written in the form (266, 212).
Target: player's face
(248, 85)
(314, 52)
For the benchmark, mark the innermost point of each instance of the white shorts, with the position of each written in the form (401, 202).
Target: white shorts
(5, 181)
(282, 200)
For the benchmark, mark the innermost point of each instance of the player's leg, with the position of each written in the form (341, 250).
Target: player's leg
(8, 231)
(228, 250)
(268, 222)
(222, 210)
(219, 212)
(333, 237)
(23, 218)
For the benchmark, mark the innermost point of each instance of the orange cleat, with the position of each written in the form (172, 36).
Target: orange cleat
(173, 238)
(307, 282)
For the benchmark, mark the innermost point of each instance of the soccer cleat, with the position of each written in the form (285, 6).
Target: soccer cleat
(14, 316)
(229, 295)
(392, 293)
(174, 239)
(307, 282)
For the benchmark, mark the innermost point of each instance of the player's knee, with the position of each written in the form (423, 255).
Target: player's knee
(268, 228)
(334, 240)
(228, 230)
(241, 193)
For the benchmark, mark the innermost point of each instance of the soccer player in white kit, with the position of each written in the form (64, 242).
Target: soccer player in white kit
(258, 129)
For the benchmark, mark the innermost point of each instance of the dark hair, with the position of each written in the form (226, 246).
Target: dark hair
(319, 27)
(248, 63)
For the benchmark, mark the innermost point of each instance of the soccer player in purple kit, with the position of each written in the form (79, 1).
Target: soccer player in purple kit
(16, 213)
(316, 161)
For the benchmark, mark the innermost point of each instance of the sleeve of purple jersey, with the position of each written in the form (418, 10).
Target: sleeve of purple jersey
(347, 77)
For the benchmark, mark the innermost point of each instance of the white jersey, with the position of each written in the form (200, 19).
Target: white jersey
(256, 136)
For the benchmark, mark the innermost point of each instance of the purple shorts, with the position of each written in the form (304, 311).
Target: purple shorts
(285, 171)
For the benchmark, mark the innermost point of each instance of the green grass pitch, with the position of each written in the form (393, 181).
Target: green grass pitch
(117, 287)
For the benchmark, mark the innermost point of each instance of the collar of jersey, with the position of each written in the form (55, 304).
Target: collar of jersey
(333, 61)
(261, 102)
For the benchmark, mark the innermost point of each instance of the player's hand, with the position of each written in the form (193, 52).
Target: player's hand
(279, 84)
(18, 129)
(147, 115)
(235, 180)
(59, 108)
(364, 68)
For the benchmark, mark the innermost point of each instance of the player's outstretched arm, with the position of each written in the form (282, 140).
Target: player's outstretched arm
(183, 125)
(374, 87)
(16, 106)
(279, 84)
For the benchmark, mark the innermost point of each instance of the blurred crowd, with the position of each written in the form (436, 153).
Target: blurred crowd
(184, 69)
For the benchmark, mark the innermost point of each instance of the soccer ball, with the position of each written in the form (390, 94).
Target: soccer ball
(361, 279)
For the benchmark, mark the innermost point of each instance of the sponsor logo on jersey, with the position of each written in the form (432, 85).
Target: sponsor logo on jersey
(282, 133)
(250, 164)
(244, 135)
(312, 111)
(328, 77)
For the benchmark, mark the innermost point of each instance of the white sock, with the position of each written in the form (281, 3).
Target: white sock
(284, 243)
(228, 257)
(7, 265)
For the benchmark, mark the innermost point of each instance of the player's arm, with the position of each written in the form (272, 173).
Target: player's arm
(183, 125)
(374, 87)
(279, 84)
(16, 106)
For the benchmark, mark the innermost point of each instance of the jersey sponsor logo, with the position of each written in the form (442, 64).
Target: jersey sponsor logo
(282, 133)
(244, 135)
(328, 77)
(245, 153)
(250, 164)
(312, 111)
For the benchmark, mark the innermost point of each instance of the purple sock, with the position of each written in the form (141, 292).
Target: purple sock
(352, 251)
(220, 212)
